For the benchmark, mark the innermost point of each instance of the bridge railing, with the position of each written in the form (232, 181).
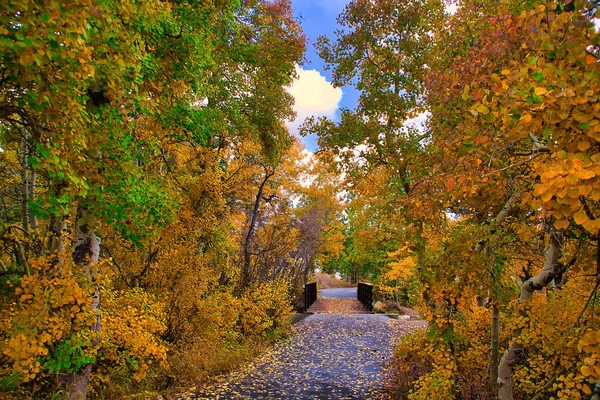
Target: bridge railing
(365, 294)
(310, 294)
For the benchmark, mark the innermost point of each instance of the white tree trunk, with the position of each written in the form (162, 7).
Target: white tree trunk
(495, 320)
(24, 182)
(537, 282)
(85, 255)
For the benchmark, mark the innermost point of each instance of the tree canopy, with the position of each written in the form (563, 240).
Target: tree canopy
(493, 199)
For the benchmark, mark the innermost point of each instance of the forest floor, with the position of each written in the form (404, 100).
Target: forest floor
(339, 352)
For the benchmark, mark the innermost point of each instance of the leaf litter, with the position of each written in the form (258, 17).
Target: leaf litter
(338, 353)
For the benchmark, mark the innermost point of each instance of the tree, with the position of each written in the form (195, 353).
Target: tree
(96, 125)
(380, 52)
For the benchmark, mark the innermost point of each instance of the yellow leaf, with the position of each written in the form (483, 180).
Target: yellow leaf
(590, 225)
(546, 196)
(573, 192)
(585, 190)
(586, 389)
(572, 179)
(585, 174)
(539, 190)
(551, 173)
(465, 94)
(580, 217)
(540, 91)
(583, 146)
(481, 108)
(586, 371)
(526, 118)
(561, 224)
(505, 71)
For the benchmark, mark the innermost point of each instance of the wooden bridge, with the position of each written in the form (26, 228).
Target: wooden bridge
(357, 300)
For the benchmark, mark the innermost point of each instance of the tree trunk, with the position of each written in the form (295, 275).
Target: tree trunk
(32, 218)
(57, 226)
(495, 347)
(537, 282)
(24, 183)
(495, 328)
(85, 255)
(596, 392)
(245, 278)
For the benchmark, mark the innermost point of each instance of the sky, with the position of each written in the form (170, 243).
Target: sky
(313, 91)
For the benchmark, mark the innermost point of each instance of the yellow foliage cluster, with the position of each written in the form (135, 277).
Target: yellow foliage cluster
(447, 369)
(229, 329)
(395, 279)
(439, 382)
(561, 352)
(264, 307)
(130, 338)
(562, 355)
(48, 307)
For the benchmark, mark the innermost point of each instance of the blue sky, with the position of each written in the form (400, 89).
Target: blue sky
(313, 91)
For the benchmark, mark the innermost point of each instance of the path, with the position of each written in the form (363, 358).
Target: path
(337, 301)
(329, 356)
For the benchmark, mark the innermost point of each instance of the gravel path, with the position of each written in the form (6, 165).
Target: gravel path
(329, 356)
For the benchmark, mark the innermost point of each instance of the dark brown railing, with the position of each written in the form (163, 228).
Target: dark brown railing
(310, 294)
(365, 294)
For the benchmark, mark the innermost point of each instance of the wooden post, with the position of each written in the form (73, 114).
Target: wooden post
(310, 294)
(365, 294)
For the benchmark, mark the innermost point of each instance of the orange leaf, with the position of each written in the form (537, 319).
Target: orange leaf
(583, 146)
(526, 118)
(590, 59)
(586, 371)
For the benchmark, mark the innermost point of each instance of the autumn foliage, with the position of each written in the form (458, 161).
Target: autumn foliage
(158, 219)
(487, 217)
(146, 172)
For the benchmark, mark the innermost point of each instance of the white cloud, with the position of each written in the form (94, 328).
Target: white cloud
(314, 95)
